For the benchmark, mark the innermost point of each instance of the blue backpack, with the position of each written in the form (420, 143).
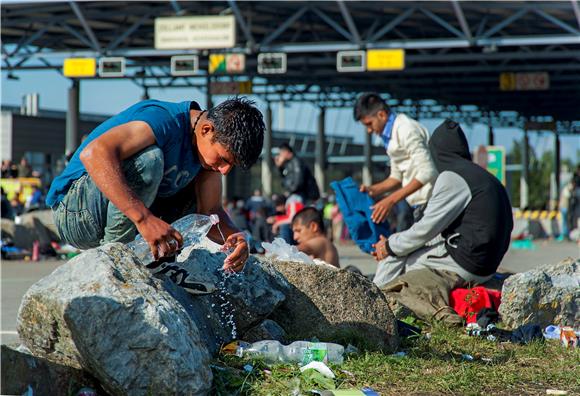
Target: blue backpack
(355, 207)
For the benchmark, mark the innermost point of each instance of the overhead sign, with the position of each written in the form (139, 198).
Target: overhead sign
(385, 59)
(184, 65)
(199, 32)
(272, 63)
(496, 162)
(351, 61)
(112, 67)
(231, 87)
(79, 67)
(227, 63)
(537, 81)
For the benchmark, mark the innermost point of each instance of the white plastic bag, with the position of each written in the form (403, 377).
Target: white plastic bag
(281, 250)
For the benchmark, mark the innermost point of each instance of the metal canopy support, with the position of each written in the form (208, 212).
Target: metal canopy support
(242, 22)
(525, 174)
(367, 166)
(505, 22)
(320, 161)
(490, 137)
(284, 26)
(462, 20)
(79, 36)
(576, 11)
(556, 21)
(391, 25)
(349, 21)
(127, 33)
(267, 165)
(72, 118)
(332, 23)
(77, 10)
(441, 22)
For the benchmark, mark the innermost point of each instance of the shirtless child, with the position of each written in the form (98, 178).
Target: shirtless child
(308, 229)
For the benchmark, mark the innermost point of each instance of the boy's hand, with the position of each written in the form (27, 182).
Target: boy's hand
(380, 252)
(163, 240)
(237, 258)
(382, 208)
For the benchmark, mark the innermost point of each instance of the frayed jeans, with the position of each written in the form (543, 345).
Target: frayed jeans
(85, 218)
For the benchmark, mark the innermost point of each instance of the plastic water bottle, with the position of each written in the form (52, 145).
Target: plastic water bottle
(302, 352)
(192, 228)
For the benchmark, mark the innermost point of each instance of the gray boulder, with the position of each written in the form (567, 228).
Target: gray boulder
(22, 371)
(267, 330)
(336, 306)
(103, 312)
(544, 296)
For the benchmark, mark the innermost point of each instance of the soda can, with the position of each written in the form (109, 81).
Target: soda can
(568, 337)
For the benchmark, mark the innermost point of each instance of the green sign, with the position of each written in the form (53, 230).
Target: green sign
(496, 162)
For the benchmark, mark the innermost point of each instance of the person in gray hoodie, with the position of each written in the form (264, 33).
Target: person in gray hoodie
(469, 208)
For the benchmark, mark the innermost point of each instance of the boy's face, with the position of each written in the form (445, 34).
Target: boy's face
(375, 123)
(213, 155)
(303, 232)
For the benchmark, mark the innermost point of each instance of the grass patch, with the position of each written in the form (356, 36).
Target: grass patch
(434, 365)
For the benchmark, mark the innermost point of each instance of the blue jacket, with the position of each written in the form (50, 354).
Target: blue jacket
(355, 206)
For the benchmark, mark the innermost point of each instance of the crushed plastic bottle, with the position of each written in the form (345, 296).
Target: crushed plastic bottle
(192, 228)
(302, 352)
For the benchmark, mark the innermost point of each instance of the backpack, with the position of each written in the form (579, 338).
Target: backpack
(355, 207)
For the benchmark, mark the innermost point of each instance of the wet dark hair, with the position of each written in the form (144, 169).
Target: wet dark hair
(239, 127)
(286, 146)
(309, 215)
(369, 103)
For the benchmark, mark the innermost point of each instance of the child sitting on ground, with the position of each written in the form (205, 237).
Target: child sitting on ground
(308, 229)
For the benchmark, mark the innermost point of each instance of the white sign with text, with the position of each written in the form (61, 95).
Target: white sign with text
(200, 32)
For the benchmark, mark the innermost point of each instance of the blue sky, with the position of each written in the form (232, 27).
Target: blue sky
(112, 96)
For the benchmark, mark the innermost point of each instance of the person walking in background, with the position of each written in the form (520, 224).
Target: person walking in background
(286, 209)
(296, 176)
(412, 169)
(24, 168)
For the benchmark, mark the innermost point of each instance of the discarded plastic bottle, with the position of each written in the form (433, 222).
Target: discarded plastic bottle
(302, 352)
(192, 228)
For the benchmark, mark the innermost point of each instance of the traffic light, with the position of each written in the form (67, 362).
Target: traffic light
(184, 65)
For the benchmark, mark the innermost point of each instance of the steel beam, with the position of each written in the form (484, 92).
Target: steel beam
(79, 36)
(114, 44)
(333, 24)
(267, 165)
(367, 173)
(441, 22)
(524, 176)
(78, 12)
(242, 22)
(462, 20)
(505, 22)
(72, 118)
(282, 28)
(556, 21)
(391, 25)
(320, 160)
(349, 21)
(576, 11)
(29, 40)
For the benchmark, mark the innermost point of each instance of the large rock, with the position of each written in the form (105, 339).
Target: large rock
(22, 371)
(546, 295)
(335, 305)
(103, 311)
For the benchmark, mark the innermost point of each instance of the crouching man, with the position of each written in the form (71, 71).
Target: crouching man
(469, 208)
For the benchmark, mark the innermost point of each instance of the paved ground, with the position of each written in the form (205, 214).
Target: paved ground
(18, 276)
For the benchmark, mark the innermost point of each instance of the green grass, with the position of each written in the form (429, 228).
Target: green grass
(432, 366)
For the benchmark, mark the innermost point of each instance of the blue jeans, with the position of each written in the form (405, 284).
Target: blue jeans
(85, 218)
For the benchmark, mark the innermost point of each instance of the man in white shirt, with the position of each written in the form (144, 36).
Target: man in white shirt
(412, 170)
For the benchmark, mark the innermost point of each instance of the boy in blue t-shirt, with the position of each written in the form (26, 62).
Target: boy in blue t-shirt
(154, 150)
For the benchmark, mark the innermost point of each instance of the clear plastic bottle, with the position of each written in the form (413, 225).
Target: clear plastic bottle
(302, 352)
(192, 228)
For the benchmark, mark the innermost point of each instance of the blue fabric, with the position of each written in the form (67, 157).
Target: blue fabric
(171, 126)
(388, 129)
(355, 207)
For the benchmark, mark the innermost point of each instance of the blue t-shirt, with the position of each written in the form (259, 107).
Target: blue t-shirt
(171, 126)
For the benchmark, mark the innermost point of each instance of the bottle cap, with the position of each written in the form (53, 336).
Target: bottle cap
(214, 219)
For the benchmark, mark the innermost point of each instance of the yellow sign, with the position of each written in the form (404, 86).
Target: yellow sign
(385, 59)
(507, 81)
(19, 188)
(80, 67)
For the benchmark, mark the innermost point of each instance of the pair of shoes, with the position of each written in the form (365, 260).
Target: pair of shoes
(181, 277)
